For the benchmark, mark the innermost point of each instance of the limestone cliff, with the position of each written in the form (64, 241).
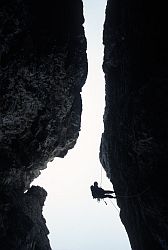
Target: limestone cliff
(134, 146)
(43, 67)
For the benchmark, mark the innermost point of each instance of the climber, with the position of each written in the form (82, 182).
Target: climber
(100, 193)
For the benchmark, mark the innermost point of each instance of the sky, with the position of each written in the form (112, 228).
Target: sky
(75, 220)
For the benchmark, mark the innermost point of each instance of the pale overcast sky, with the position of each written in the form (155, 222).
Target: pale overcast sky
(74, 219)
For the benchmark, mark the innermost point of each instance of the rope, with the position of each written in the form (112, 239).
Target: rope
(114, 206)
(123, 196)
(134, 195)
(129, 196)
(101, 177)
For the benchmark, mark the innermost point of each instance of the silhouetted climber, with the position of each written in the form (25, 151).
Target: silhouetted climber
(100, 193)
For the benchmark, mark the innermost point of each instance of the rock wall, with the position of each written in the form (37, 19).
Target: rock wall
(43, 66)
(134, 146)
(22, 225)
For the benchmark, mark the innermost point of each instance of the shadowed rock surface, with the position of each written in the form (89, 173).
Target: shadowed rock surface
(22, 225)
(134, 146)
(43, 67)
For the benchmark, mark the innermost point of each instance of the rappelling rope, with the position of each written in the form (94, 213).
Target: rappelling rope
(101, 176)
(123, 196)
(134, 195)
(126, 196)
(114, 206)
(129, 196)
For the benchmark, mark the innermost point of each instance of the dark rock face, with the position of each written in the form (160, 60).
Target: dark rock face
(43, 67)
(134, 146)
(22, 225)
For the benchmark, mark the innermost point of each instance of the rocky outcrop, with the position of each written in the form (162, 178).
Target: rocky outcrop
(22, 225)
(134, 146)
(43, 67)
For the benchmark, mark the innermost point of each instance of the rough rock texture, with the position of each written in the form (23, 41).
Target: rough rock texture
(134, 146)
(43, 67)
(22, 225)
